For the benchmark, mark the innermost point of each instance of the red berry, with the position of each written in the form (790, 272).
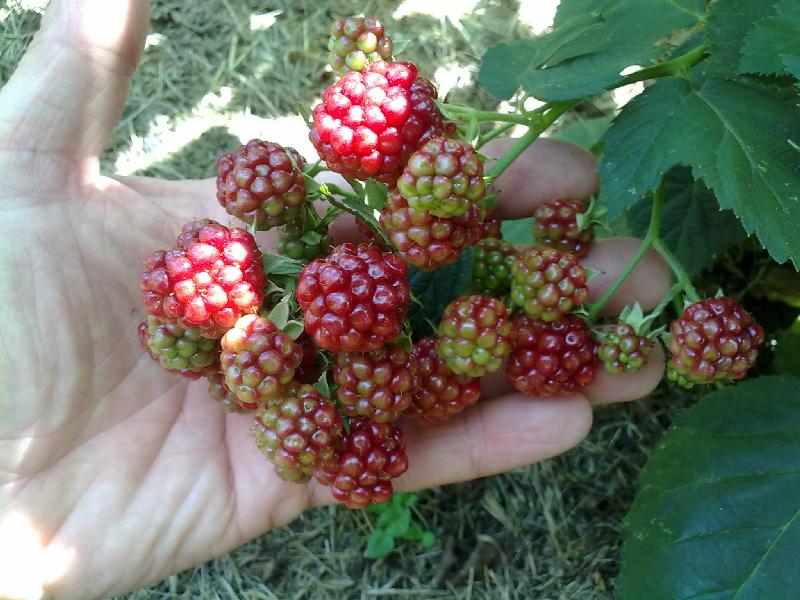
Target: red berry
(356, 42)
(309, 369)
(362, 469)
(492, 225)
(555, 225)
(258, 360)
(550, 358)
(473, 335)
(220, 392)
(622, 351)
(178, 350)
(262, 181)
(425, 241)
(547, 283)
(207, 283)
(355, 299)
(298, 432)
(714, 340)
(443, 178)
(378, 385)
(491, 271)
(441, 394)
(369, 123)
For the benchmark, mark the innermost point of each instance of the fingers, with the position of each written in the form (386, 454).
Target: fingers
(647, 284)
(70, 87)
(493, 437)
(547, 170)
(608, 388)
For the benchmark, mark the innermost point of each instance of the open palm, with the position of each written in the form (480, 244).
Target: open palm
(128, 472)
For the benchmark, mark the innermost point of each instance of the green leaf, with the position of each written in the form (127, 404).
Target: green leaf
(414, 533)
(623, 33)
(518, 231)
(787, 351)
(361, 211)
(322, 385)
(293, 329)
(743, 154)
(771, 39)
(692, 224)
(792, 64)
(585, 133)
(379, 544)
(280, 314)
(275, 264)
(729, 21)
(400, 524)
(377, 193)
(502, 65)
(435, 290)
(718, 513)
(428, 539)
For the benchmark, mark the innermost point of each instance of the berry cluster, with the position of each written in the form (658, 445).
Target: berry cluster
(274, 334)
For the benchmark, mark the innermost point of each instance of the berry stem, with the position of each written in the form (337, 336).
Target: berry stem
(490, 135)
(535, 128)
(677, 67)
(677, 269)
(486, 115)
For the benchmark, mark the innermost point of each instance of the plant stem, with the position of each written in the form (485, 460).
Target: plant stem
(678, 66)
(490, 135)
(535, 129)
(486, 115)
(677, 268)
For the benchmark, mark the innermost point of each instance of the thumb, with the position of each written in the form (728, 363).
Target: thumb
(69, 89)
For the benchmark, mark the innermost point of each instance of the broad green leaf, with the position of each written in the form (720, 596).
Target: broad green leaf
(435, 290)
(735, 138)
(280, 314)
(787, 351)
(275, 264)
(377, 193)
(503, 63)
(792, 64)
(399, 526)
(379, 543)
(518, 231)
(692, 224)
(771, 39)
(293, 329)
(718, 511)
(729, 21)
(585, 133)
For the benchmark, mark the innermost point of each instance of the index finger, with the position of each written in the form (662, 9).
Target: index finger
(546, 170)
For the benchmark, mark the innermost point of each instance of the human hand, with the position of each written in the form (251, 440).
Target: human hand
(129, 474)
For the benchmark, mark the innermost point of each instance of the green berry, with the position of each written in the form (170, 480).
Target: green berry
(491, 272)
(622, 351)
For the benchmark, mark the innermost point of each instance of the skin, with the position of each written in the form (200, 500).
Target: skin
(128, 473)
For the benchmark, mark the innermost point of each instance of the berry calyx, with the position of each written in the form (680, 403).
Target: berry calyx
(443, 178)
(362, 469)
(550, 358)
(378, 385)
(425, 241)
(369, 123)
(258, 360)
(441, 393)
(547, 283)
(623, 351)
(356, 42)
(555, 225)
(262, 182)
(298, 244)
(354, 299)
(473, 335)
(177, 349)
(298, 432)
(210, 280)
(491, 272)
(714, 340)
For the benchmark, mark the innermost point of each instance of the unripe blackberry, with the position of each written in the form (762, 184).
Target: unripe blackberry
(292, 244)
(491, 272)
(369, 123)
(443, 178)
(441, 394)
(220, 392)
(262, 181)
(714, 340)
(473, 335)
(258, 360)
(178, 350)
(362, 469)
(356, 42)
(425, 241)
(298, 432)
(492, 225)
(377, 385)
(622, 351)
(355, 299)
(551, 358)
(555, 224)
(547, 283)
